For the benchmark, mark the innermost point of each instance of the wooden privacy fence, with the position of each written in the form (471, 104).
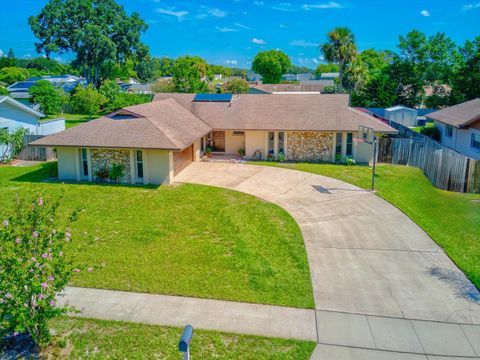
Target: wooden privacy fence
(34, 153)
(445, 168)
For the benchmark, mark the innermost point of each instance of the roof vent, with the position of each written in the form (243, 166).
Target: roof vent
(212, 98)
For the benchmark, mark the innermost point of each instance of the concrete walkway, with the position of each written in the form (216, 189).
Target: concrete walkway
(368, 260)
(264, 320)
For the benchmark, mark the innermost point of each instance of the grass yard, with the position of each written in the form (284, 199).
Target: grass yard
(451, 219)
(98, 339)
(72, 120)
(187, 240)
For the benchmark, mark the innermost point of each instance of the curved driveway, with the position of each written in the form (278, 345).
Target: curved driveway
(366, 256)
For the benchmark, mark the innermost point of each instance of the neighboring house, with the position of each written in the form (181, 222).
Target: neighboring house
(313, 87)
(19, 90)
(329, 76)
(14, 115)
(459, 127)
(298, 77)
(155, 141)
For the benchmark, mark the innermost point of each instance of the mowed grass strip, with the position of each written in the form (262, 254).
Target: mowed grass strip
(187, 240)
(451, 219)
(77, 338)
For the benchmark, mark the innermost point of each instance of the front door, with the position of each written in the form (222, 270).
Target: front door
(218, 141)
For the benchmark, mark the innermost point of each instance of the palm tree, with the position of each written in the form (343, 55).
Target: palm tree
(340, 48)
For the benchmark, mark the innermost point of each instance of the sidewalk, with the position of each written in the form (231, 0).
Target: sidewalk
(229, 316)
(340, 336)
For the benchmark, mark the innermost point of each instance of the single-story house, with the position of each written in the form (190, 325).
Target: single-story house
(459, 127)
(19, 90)
(155, 141)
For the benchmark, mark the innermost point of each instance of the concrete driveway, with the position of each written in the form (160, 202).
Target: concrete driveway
(366, 257)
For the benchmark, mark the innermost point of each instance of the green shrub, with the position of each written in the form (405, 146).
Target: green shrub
(11, 143)
(47, 96)
(350, 162)
(116, 172)
(431, 131)
(33, 268)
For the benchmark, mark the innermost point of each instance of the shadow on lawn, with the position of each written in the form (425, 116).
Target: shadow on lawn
(47, 173)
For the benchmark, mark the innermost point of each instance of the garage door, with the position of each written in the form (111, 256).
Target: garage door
(182, 159)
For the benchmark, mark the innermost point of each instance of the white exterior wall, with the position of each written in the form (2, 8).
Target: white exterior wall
(12, 117)
(68, 163)
(51, 127)
(158, 167)
(255, 140)
(234, 142)
(460, 140)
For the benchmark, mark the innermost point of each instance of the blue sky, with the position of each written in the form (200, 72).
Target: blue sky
(231, 32)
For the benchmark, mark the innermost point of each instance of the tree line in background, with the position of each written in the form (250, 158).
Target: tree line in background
(425, 70)
(449, 72)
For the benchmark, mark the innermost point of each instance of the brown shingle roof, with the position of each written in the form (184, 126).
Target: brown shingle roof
(159, 125)
(307, 112)
(460, 115)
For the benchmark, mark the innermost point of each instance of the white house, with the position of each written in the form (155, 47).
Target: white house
(14, 115)
(459, 127)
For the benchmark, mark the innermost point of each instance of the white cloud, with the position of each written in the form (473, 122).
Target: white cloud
(171, 12)
(283, 6)
(217, 12)
(1, 53)
(328, 5)
(242, 26)
(259, 3)
(315, 61)
(425, 13)
(231, 62)
(468, 7)
(303, 43)
(259, 41)
(226, 29)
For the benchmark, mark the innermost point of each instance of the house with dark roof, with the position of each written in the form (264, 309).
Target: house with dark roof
(67, 83)
(459, 127)
(153, 142)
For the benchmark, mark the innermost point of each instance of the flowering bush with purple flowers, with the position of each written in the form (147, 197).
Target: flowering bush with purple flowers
(33, 268)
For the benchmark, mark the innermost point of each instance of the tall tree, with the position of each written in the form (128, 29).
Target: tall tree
(99, 32)
(190, 75)
(271, 64)
(340, 48)
(466, 80)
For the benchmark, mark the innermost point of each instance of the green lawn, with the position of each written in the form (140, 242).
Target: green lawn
(98, 339)
(419, 129)
(451, 219)
(188, 240)
(72, 120)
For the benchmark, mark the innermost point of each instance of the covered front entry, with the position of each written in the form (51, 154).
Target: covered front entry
(182, 159)
(218, 141)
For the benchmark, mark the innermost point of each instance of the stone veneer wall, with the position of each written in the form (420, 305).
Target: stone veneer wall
(104, 158)
(309, 146)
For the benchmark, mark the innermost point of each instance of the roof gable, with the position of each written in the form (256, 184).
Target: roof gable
(19, 105)
(461, 115)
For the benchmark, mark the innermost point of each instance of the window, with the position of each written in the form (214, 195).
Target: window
(238, 133)
(84, 159)
(349, 144)
(271, 142)
(338, 144)
(449, 131)
(281, 142)
(202, 144)
(139, 163)
(476, 141)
